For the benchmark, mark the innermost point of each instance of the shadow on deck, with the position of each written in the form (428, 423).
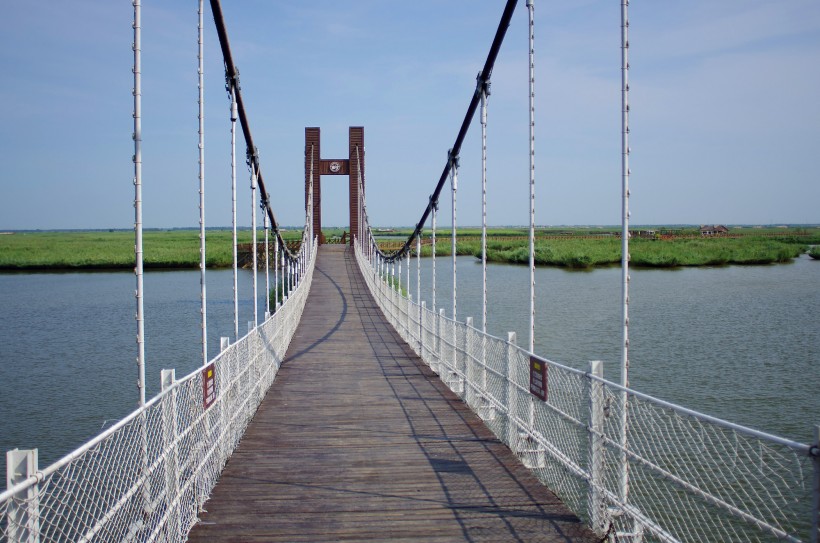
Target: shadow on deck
(358, 440)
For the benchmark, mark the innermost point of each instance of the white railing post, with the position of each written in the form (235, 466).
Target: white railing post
(398, 299)
(221, 370)
(23, 511)
(291, 278)
(437, 338)
(169, 437)
(289, 273)
(486, 409)
(392, 284)
(512, 426)
(285, 278)
(253, 352)
(815, 515)
(422, 330)
(469, 364)
(597, 505)
(375, 267)
(408, 302)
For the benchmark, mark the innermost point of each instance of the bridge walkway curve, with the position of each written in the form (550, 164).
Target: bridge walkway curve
(358, 440)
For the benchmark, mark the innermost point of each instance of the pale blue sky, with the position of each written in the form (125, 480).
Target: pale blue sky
(724, 95)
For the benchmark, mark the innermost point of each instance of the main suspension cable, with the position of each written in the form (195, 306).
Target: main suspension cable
(232, 79)
(483, 77)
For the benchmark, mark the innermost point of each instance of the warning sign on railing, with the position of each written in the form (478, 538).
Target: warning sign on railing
(538, 378)
(208, 386)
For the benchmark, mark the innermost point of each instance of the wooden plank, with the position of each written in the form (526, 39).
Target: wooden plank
(358, 440)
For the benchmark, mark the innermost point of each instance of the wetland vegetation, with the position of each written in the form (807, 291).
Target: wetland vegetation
(106, 250)
(585, 249)
(577, 248)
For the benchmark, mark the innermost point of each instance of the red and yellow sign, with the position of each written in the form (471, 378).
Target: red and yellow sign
(208, 386)
(538, 378)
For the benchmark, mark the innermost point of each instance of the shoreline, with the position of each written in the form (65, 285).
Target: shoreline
(110, 268)
(95, 251)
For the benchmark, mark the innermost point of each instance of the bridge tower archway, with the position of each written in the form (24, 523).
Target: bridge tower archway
(334, 166)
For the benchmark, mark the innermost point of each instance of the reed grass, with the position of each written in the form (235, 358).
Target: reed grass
(180, 249)
(586, 253)
(115, 250)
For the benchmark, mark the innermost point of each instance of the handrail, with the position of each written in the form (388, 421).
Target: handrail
(104, 493)
(687, 465)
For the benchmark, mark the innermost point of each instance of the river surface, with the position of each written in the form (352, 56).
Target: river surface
(738, 342)
(68, 347)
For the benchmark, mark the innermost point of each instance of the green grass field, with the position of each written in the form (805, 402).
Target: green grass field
(579, 248)
(574, 249)
(588, 253)
(583, 254)
(115, 250)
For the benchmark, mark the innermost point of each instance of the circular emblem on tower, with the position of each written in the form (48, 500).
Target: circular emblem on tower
(335, 167)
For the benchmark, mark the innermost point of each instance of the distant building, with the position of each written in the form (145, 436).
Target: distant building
(713, 229)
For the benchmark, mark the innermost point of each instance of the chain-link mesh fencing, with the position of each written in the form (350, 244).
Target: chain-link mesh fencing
(146, 478)
(634, 467)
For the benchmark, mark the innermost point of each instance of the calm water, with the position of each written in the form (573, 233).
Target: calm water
(68, 347)
(740, 343)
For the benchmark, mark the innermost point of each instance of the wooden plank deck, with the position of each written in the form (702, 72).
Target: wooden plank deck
(357, 440)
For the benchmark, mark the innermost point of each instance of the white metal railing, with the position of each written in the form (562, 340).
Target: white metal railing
(146, 477)
(692, 477)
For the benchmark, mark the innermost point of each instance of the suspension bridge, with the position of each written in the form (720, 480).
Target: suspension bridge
(353, 410)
